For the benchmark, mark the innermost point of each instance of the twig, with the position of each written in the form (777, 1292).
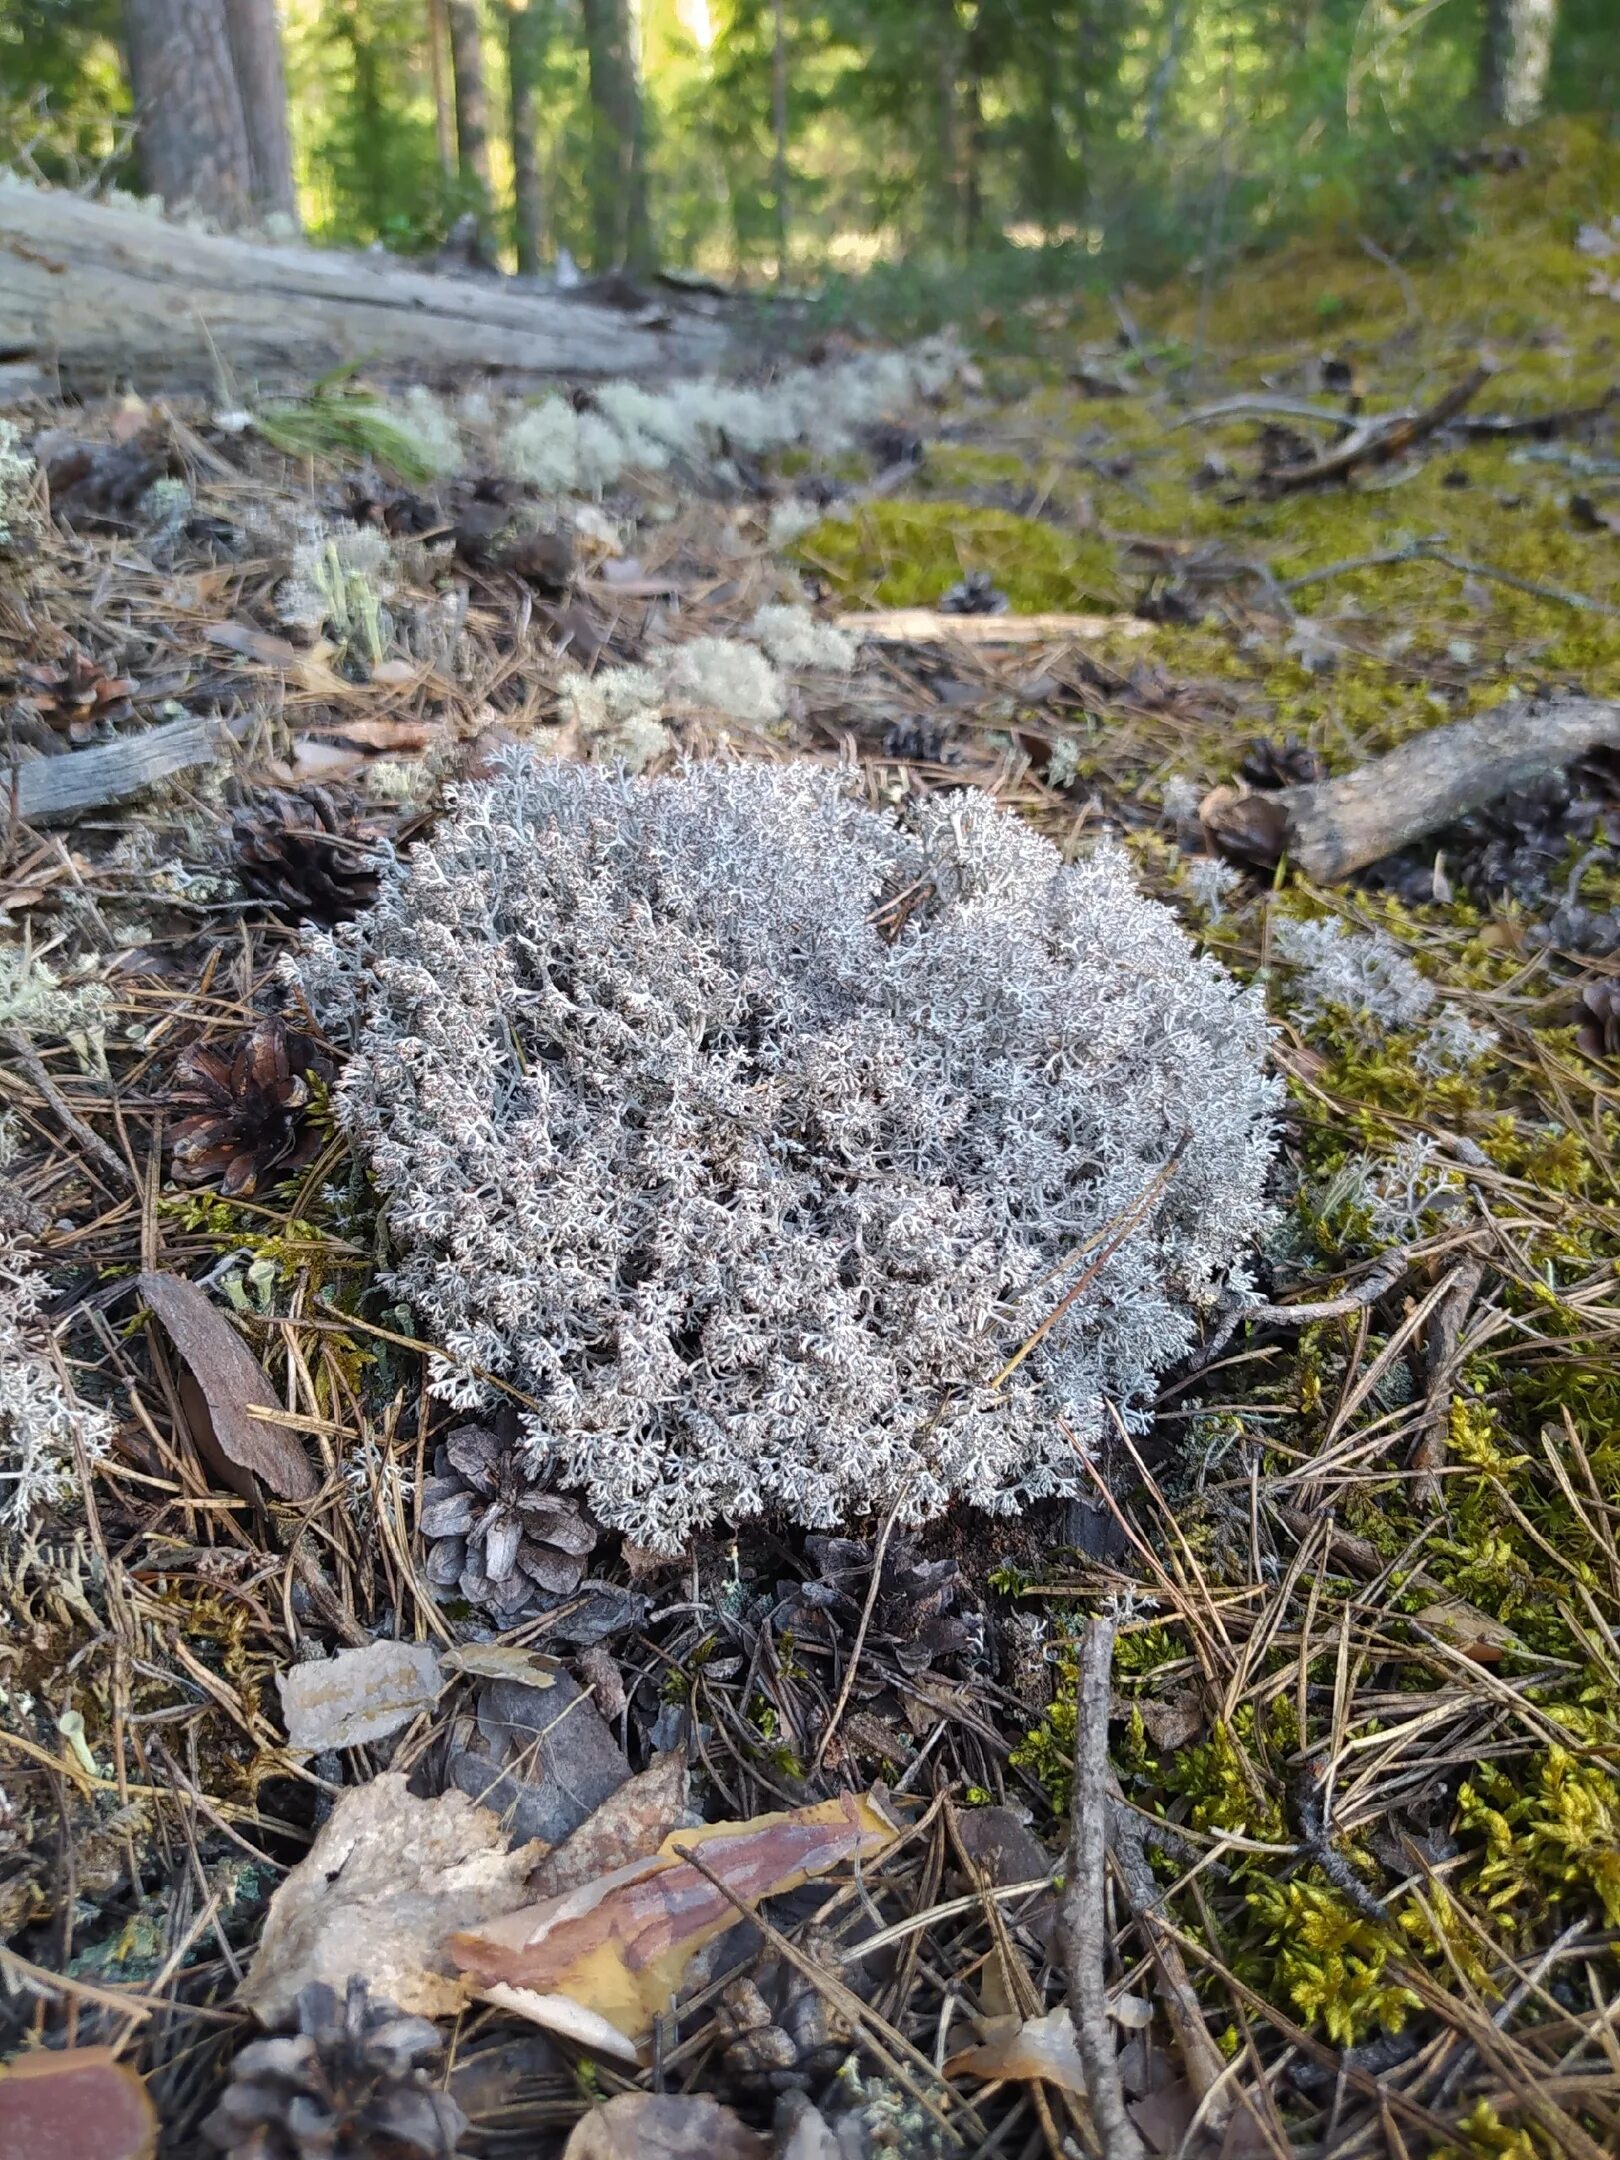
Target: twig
(1386, 261)
(1384, 1276)
(859, 1644)
(1118, 1232)
(1377, 440)
(1428, 1457)
(1435, 550)
(93, 1144)
(1200, 2057)
(1082, 1929)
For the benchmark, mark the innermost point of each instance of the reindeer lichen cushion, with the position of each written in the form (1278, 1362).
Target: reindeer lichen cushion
(752, 1134)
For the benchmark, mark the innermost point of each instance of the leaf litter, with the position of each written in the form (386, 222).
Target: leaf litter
(1360, 1799)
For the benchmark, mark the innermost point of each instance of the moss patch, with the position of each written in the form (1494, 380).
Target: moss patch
(909, 554)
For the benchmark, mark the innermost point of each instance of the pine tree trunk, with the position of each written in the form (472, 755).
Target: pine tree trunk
(261, 81)
(619, 220)
(444, 111)
(528, 33)
(192, 131)
(1515, 56)
(472, 103)
(779, 121)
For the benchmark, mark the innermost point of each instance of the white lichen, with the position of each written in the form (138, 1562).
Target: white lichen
(1209, 883)
(757, 1208)
(16, 479)
(793, 638)
(560, 448)
(44, 1429)
(1359, 972)
(725, 676)
(339, 582)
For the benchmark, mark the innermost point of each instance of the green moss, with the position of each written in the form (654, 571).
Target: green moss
(1548, 1841)
(909, 554)
(1330, 1961)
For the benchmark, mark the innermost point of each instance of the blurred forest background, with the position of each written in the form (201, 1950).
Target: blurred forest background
(937, 153)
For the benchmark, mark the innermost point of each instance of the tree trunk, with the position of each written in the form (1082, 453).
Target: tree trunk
(528, 34)
(1515, 56)
(779, 119)
(192, 132)
(620, 226)
(261, 81)
(92, 297)
(472, 103)
(444, 111)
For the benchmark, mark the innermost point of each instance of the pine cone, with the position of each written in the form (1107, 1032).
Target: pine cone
(496, 1538)
(252, 1099)
(1599, 1035)
(912, 1619)
(783, 2036)
(974, 595)
(1267, 764)
(352, 2081)
(74, 695)
(306, 853)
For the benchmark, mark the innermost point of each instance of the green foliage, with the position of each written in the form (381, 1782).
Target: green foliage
(339, 422)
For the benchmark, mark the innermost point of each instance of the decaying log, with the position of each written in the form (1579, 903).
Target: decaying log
(92, 296)
(1333, 827)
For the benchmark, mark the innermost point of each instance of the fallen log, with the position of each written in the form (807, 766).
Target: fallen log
(1330, 828)
(93, 296)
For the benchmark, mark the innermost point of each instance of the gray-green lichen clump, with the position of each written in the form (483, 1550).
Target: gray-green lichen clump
(750, 1133)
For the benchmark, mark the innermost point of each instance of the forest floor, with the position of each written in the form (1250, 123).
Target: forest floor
(1363, 1576)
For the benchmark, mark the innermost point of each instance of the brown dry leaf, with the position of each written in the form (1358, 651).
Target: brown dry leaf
(502, 1661)
(1170, 1722)
(1042, 2047)
(308, 668)
(664, 2126)
(1467, 1629)
(620, 1945)
(74, 2104)
(380, 734)
(225, 1379)
(630, 1825)
(357, 1696)
(315, 760)
(378, 1893)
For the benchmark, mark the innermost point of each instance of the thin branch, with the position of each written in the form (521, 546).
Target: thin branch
(1082, 1913)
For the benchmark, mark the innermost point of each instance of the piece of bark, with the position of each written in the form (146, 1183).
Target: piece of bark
(48, 790)
(379, 1892)
(99, 296)
(1333, 827)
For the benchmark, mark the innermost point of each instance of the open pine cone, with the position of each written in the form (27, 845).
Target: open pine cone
(352, 2081)
(307, 853)
(251, 1102)
(495, 1536)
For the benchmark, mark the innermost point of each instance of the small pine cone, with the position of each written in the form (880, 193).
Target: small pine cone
(782, 2033)
(974, 594)
(307, 853)
(1270, 765)
(1599, 1034)
(495, 1538)
(351, 2083)
(251, 1099)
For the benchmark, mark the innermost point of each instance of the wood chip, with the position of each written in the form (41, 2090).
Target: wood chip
(927, 626)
